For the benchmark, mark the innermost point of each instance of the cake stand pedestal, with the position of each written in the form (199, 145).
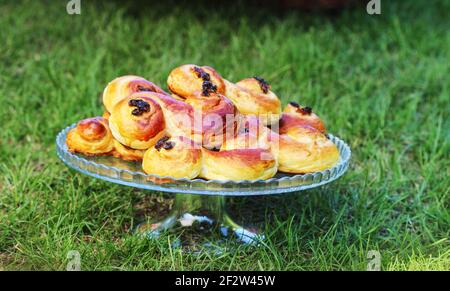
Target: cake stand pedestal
(201, 211)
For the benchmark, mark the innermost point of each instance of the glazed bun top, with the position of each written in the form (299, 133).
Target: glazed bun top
(92, 129)
(253, 96)
(257, 85)
(177, 157)
(124, 86)
(238, 164)
(213, 103)
(179, 117)
(304, 149)
(218, 115)
(295, 114)
(202, 119)
(186, 80)
(247, 156)
(91, 136)
(137, 121)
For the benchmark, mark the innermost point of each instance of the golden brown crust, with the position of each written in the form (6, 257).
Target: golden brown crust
(127, 153)
(137, 131)
(186, 80)
(238, 164)
(303, 150)
(295, 114)
(247, 140)
(106, 115)
(124, 86)
(207, 128)
(244, 157)
(173, 134)
(90, 137)
(249, 98)
(179, 117)
(218, 117)
(177, 157)
(214, 103)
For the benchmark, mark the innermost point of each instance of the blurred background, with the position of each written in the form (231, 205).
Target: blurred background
(381, 82)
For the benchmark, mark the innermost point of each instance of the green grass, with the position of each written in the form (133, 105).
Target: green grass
(380, 82)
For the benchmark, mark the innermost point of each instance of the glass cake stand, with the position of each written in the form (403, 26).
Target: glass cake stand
(198, 202)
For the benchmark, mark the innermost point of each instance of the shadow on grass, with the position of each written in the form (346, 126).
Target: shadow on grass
(300, 205)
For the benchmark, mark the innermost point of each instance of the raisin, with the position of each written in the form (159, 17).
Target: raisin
(208, 87)
(141, 106)
(305, 110)
(169, 145)
(132, 102)
(294, 104)
(262, 84)
(202, 74)
(161, 142)
(136, 112)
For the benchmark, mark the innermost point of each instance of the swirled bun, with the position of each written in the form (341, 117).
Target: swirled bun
(213, 103)
(205, 128)
(218, 116)
(304, 149)
(253, 96)
(186, 80)
(91, 137)
(179, 117)
(238, 164)
(250, 96)
(301, 149)
(177, 157)
(295, 114)
(127, 153)
(124, 86)
(137, 121)
(245, 157)
(248, 140)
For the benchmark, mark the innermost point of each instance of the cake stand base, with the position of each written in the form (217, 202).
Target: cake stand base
(200, 213)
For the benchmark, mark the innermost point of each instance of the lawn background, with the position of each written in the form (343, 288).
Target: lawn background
(380, 82)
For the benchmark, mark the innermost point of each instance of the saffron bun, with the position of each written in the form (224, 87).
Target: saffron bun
(295, 114)
(188, 79)
(300, 149)
(91, 137)
(245, 157)
(253, 96)
(238, 164)
(177, 157)
(258, 138)
(213, 103)
(303, 150)
(179, 117)
(127, 153)
(124, 86)
(137, 121)
(199, 118)
(218, 116)
(250, 95)
(206, 127)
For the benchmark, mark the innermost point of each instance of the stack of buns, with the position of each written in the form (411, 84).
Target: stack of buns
(206, 127)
